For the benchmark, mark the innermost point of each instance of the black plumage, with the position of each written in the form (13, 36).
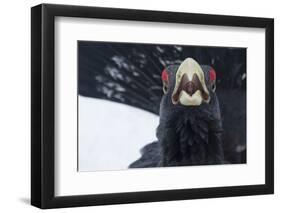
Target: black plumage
(130, 73)
(187, 135)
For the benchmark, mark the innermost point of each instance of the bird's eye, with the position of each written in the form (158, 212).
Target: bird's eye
(212, 75)
(213, 87)
(164, 75)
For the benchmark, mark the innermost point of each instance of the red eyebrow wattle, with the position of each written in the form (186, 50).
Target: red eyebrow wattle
(164, 75)
(212, 75)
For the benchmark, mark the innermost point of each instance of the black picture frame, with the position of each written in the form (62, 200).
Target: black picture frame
(43, 102)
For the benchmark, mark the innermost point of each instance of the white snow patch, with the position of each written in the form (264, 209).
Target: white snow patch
(112, 134)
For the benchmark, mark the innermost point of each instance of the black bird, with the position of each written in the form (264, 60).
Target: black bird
(130, 73)
(190, 126)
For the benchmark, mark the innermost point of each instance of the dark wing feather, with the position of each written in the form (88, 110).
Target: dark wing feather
(150, 156)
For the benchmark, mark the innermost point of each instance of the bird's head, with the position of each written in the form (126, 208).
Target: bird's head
(189, 84)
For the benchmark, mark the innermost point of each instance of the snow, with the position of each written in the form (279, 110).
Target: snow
(111, 134)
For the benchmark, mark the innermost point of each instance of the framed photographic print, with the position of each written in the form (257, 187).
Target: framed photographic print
(140, 106)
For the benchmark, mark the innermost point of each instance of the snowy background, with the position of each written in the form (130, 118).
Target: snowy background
(111, 134)
(120, 90)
